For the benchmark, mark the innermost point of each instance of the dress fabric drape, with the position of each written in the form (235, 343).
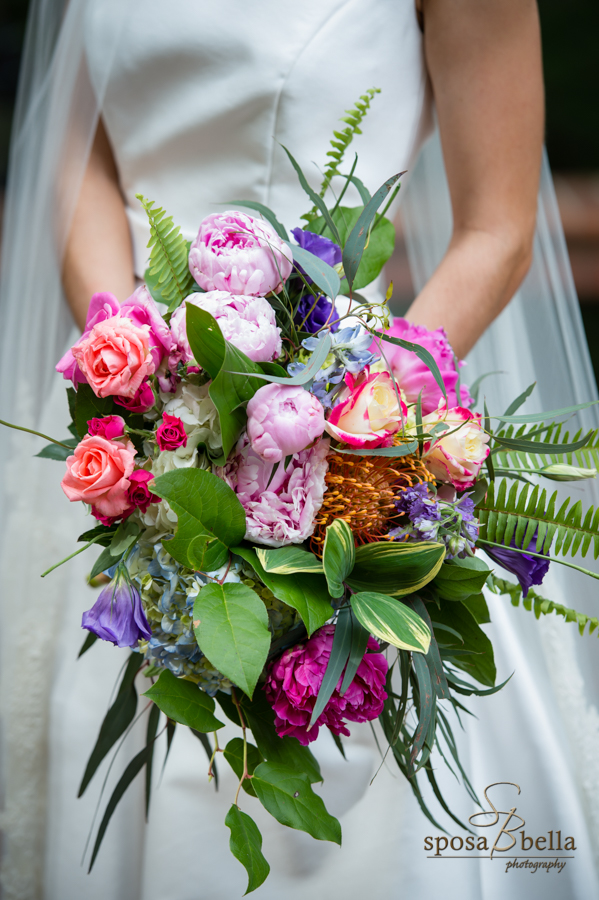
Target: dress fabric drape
(197, 99)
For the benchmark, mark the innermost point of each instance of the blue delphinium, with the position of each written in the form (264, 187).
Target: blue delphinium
(432, 518)
(117, 615)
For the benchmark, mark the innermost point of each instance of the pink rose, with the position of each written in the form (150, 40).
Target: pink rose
(295, 678)
(368, 414)
(237, 253)
(140, 309)
(457, 457)
(171, 434)
(109, 427)
(282, 510)
(98, 473)
(139, 495)
(115, 357)
(283, 420)
(142, 400)
(412, 375)
(249, 323)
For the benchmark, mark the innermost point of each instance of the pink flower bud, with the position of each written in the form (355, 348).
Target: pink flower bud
(283, 420)
(141, 402)
(109, 427)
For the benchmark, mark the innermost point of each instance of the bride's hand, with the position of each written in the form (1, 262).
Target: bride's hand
(99, 221)
(484, 61)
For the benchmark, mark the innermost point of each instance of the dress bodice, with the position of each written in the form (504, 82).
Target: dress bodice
(200, 97)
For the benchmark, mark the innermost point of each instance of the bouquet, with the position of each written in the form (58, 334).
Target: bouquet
(298, 505)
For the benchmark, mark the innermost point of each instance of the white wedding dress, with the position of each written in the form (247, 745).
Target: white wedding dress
(198, 99)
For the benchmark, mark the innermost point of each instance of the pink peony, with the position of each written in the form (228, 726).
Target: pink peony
(283, 511)
(295, 678)
(139, 495)
(237, 253)
(109, 427)
(142, 400)
(171, 433)
(457, 457)
(140, 309)
(115, 357)
(283, 420)
(368, 414)
(412, 375)
(249, 323)
(98, 473)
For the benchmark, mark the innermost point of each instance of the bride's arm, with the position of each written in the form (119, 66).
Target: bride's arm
(484, 60)
(98, 254)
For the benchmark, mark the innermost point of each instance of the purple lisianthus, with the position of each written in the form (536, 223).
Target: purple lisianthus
(295, 678)
(311, 315)
(117, 615)
(528, 570)
(319, 246)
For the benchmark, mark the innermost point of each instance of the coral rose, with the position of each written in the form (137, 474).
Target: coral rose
(295, 678)
(283, 420)
(98, 473)
(249, 323)
(237, 253)
(411, 373)
(368, 414)
(115, 357)
(456, 457)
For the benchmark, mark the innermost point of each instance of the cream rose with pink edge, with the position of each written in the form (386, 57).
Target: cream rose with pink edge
(458, 455)
(369, 413)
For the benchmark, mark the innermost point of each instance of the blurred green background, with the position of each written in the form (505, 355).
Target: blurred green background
(571, 61)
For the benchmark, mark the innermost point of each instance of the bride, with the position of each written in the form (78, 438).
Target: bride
(188, 104)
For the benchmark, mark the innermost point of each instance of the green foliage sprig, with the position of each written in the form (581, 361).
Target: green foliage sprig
(554, 435)
(541, 606)
(168, 274)
(341, 141)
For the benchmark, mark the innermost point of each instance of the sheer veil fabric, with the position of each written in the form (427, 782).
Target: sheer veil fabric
(58, 108)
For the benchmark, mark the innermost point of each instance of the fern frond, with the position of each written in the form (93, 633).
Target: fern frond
(541, 606)
(586, 457)
(341, 141)
(169, 253)
(522, 512)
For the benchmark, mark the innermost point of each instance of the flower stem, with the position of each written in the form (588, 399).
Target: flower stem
(245, 774)
(38, 433)
(217, 749)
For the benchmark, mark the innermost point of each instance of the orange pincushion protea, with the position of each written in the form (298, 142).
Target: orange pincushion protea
(360, 490)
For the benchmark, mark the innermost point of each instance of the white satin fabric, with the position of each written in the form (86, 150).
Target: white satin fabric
(197, 102)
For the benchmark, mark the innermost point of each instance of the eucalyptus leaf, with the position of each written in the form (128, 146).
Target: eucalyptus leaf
(339, 556)
(184, 702)
(323, 275)
(396, 568)
(391, 620)
(245, 844)
(231, 627)
(544, 416)
(310, 371)
(356, 241)
(288, 796)
(519, 401)
(266, 212)
(377, 251)
(314, 197)
(399, 450)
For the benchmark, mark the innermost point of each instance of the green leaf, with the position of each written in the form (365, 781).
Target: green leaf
(356, 241)
(528, 446)
(266, 212)
(287, 560)
(395, 568)
(287, 750)
(151, 731)
(421, 352)
(184, 702)
(433, 657)
(234, 756)
(124, 537)
(323, 275)
(245, 844)
(53, 451)
(316, 200)
(520, 400)
(359, 642)
(101, 534)
(391, 621)
(116, 721)
(336, 664)
(88, 643)
(205, 339)
(307, 593)
(233, 387)
(231, 627)
(377, 252)
(478, 607)
(288, 796)
(311, 370)
(474, 652)
(459, 578)
(210, 517)
(426, 706)
(169, 252)
(105, 561)
(339, 556)
(88, 406)
(544, 416)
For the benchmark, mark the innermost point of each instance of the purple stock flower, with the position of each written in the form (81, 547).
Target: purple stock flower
(324, 313)
(433, 518)
(117, 615)
(528, 570)
(319, 246)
